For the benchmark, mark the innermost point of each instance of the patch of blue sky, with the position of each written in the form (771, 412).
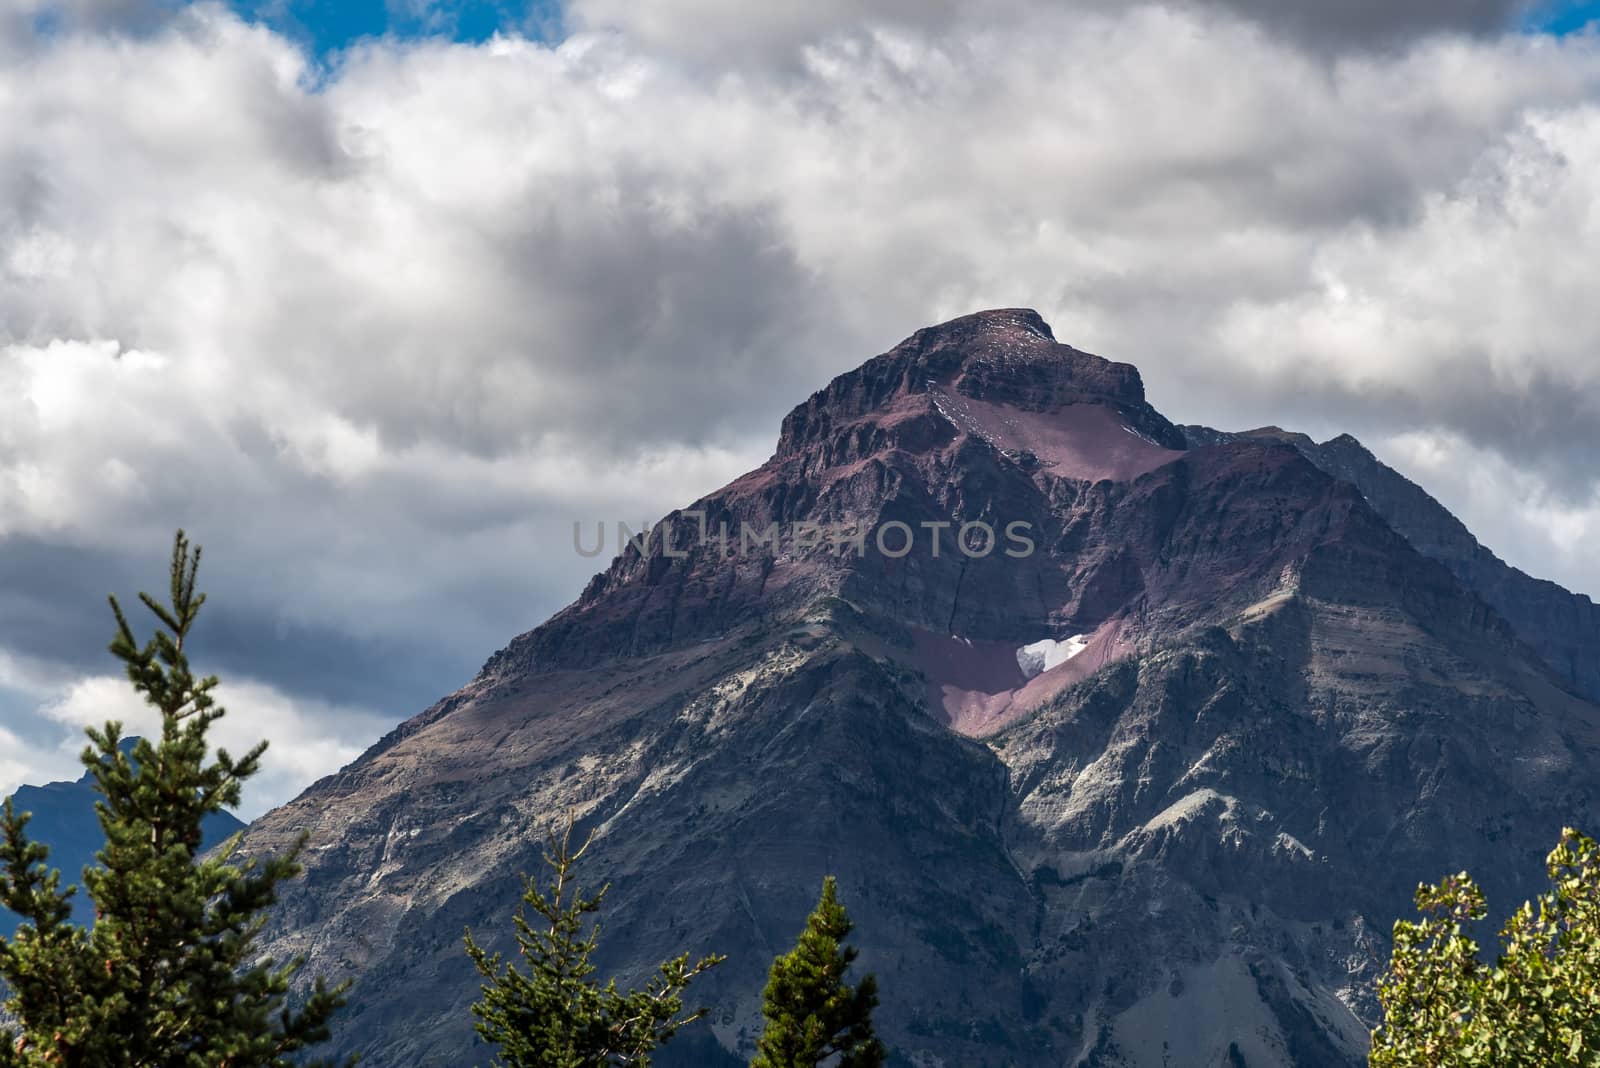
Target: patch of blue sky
(326, 27)
(1563, 17)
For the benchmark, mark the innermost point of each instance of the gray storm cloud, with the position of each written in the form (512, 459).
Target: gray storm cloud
(730, 32)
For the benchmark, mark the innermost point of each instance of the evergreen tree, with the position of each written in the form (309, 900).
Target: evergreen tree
(170, 975)
(554, 1014)
(812, 1014)
(1536, 1006)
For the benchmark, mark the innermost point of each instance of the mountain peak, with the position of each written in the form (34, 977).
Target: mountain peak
(985, 373)
(1347, 441)
(1000, 323)
(1232, 718)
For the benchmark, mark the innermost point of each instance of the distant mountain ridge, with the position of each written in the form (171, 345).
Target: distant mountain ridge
(1151, 794)
(64, 819)
(1563, 627)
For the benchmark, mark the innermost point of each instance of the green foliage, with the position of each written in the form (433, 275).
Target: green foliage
(1538, 1005)
(812, 1014)
(555, 1014)
(169, 976)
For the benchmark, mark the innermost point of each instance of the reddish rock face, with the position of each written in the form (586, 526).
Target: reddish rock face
(988, 420)
(985, 419)
(1248, 717)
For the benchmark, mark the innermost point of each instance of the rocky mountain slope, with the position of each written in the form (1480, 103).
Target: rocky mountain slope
(1144, 784)
(1563, 627)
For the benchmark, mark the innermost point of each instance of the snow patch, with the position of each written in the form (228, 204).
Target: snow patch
(1041, 656)
(1142, 437)
(956, 411)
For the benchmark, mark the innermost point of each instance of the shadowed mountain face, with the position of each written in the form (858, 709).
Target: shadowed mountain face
(64, 819)
(1144, 783)
(1562, 627)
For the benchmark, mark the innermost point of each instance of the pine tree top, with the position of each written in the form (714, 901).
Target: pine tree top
(168, 976)
(812, 1014)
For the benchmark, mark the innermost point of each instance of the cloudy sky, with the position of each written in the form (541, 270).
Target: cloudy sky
(376, 297)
